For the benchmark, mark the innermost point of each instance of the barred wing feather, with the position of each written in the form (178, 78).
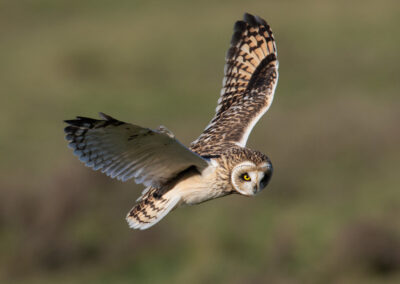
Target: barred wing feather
(124, 151)
(250, 78)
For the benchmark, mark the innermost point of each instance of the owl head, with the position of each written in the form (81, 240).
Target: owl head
(249, 178)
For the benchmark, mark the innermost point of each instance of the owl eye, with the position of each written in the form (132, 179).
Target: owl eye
(245, 177)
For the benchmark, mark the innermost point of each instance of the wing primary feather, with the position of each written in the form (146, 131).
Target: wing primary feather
(250, 78)
(123, 151)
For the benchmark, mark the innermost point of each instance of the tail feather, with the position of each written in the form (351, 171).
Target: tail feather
(151, 209)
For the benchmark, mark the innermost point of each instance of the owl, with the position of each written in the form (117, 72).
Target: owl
(217, 163)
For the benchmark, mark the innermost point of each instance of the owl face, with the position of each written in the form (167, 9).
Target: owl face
(248, 178)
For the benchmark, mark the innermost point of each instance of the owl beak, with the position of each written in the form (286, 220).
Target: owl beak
(256, 189)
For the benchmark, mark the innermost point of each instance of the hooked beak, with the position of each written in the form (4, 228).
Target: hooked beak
(256, 189)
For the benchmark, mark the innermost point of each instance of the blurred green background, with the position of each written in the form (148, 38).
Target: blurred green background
(331, 213)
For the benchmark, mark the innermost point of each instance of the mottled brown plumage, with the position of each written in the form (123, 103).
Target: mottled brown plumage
(217, 163)
(248, 87)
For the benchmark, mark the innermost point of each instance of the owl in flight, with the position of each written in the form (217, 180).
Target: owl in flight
(215, 164)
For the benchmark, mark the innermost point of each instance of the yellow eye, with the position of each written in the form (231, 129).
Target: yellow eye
(246, 177)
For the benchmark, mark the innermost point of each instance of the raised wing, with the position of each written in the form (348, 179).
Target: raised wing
(125, 151)
(251, 75)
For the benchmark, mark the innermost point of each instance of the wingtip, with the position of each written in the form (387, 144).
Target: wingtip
(246, 15)
(254, 20)
(74, 122)
(250, 19)
(106, 116)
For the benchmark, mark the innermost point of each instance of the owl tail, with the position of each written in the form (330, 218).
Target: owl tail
(151, 208)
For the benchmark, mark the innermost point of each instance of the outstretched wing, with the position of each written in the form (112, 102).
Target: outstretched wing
(125, 151)
(251, 75)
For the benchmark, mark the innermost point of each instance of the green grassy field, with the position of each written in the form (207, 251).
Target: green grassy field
(331, 212)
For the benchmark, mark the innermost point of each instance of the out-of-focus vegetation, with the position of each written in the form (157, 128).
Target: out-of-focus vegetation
(331, 212)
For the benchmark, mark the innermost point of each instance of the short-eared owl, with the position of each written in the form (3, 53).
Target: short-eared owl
(217, 163)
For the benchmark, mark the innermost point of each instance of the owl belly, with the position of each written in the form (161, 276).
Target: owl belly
(199, 195)
(197, 189)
